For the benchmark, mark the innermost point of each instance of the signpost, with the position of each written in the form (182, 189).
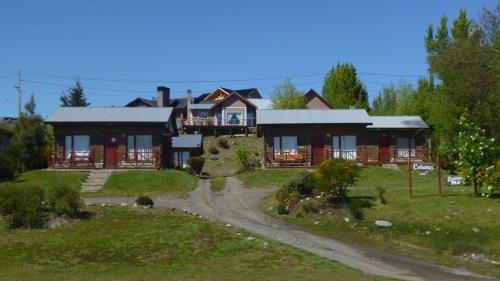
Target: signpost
(454, 180)
(423, 167)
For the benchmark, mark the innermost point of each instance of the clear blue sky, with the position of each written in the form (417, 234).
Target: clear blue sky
(207, 40)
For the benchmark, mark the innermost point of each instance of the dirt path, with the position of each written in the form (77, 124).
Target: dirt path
(239, 206)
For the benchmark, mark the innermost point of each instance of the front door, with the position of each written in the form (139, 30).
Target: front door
(110, 151)
(384, 145)
(317, 147)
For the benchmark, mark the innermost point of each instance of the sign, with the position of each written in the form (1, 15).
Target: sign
(423, 167)
(454, 180)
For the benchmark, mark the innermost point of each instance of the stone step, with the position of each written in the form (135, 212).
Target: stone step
(95, 180)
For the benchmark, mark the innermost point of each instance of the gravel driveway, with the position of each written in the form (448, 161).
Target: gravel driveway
(239, 206)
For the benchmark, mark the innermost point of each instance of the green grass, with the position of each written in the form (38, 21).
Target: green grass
(449, 220)
(48, 179)
(217, 183)
(121, 243)
(267, 178)
(136, 183)
(227, 164)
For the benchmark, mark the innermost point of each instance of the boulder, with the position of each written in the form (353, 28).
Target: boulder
(55, 222)
(383, 223)
(475, 229)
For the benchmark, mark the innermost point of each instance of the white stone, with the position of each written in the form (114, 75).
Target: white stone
(346, 219)
(228, 225)
(250, 238)
(135, 205)
(270, 208)
(124, 204)
(383, 223)
(103, 205)
(427, 232)
(475, 229)
(316, 222)
(265, 243)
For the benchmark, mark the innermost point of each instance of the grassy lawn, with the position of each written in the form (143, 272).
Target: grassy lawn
(47, 179)
(267, 178)
(226, 163)
(217, 183)
(135, 183)
(120, 243)
(427, 227)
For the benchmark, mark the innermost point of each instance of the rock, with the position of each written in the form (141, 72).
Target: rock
(346, 219)
(135, 205)
(438, 229)
(173, 209)
(185, 210)
(89, 204)
(494, 262)
(55, 222)
(316, 222)
(103, 205)
(239, 233)
(265, 243)
(383, 223)
(307, 199)
(447, 217)
(427, 232)
(147, 207)
(475, 229)
(452, 202)
(124, 204)
(270, 208)
(228, 225)
(195, 214)
(250, 238)
(320, 212)
(318, 197)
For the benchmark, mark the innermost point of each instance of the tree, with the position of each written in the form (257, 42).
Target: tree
(476, 152)
(343, 89)
(285, 96)
(75, 96)
(394, 100)
(337, 176)
(31, 138)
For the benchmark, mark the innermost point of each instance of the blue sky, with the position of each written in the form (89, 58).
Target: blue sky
(169, 43)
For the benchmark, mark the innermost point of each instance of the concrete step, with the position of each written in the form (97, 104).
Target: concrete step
(95, 180)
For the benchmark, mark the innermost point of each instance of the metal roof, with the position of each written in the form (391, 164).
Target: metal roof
(262, 103)
(397, 122)
(202, 105)
(312, 116)
(187, 141)
(111, 114)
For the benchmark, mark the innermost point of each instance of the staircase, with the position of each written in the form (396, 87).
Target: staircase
(95, 180)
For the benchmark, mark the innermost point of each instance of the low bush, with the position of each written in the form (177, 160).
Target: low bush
(213, 150)
(309, 206)
(144, 201)
(337, 176)
(245, 162)
(281, 208)
(356, 209)
(22, 206)
(196, 163)
(223, 143)
(64, 200)
(302, 183)
(7, 165)
(381, 193)
(281, 195)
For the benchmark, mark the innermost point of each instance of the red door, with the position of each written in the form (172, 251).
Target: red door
(384, 145)
(110, 151)
(317, 144)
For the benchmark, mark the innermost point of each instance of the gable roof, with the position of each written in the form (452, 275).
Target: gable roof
(312, 116)
(235, 94)
(397, 122)
(312, 94)
(146, 102)
(262, 103)
(187, 141)
(110, 114)
(246, 93)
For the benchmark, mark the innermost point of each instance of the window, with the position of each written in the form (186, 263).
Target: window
(234, 118)
(285, 144)
(405, 145)
(203, 114)
(78, 144)
(344, 147)
(181, 158)
(140, 147)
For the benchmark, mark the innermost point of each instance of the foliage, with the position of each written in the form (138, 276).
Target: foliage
(285, 96)
(309, 206)
(213, 150)
(75, 96)
(144, 201)
(7, 165)
(217, 183)
(64, 200)
(302, 183)
(223, 143)
(476, 153)
(343, 89)
(246, 164)
(196, 164)
(338, 175)
(395, 100)
(281, 208)
(356, 209)
(22, 205)
(381, 193)
(31, 139)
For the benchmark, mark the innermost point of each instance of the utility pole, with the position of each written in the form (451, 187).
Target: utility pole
(439, 174)
(19, 93)
(410, 187)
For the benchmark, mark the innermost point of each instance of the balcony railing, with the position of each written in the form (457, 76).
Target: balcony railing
(71, 159)
(213, 121)
(138, 159)
(287, 159)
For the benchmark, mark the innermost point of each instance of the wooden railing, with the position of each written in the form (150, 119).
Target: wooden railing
(213, 121)
(73, 160)
(138, 160)
(287, 159)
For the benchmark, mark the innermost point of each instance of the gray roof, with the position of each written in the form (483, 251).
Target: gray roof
(312, 116)
(111, 114)
(187, 141)
(397, 122)
(262, 103)
(202, 105)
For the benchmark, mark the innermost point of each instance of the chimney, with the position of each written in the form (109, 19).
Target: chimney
(189, 100)
(162, 96)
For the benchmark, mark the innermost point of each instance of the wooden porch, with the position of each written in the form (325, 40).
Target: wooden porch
(119, 160)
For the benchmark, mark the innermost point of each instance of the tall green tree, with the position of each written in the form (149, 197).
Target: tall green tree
(74, 96)
(343, 89)
(395, 100)
(31, 138)
(286, 96)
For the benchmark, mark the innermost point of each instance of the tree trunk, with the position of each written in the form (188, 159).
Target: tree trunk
(475, 186)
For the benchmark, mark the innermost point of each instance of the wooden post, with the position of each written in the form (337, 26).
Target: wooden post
(439, 174)
(410, 188)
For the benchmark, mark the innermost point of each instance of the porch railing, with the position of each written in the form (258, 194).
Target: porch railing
(287, 159)
(214, 121)
(72, 159)
(138, 159)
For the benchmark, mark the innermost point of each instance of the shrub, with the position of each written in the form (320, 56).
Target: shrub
(196, 163)
(246, 164)
(144, 201)
(65, 200)
(292, 199)
(381, 192)
(7, 165)
(281, 195)
(281, 209)
(213, 150)
(223, 143)
(303, 183)
(22, 206)
(338, 175)
(355, 208)
(309, 206)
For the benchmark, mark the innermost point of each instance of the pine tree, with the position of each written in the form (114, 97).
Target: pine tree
(75, 96)
(343, 89)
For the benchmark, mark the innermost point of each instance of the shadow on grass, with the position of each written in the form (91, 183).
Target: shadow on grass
(85, 215)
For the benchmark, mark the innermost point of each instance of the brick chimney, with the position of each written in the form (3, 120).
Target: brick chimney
(189, 101)
(162, 96)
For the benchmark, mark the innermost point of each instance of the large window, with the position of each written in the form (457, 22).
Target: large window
(405, 145)
(203, 114)
(181, 158)
(140, 147)
(285, 144)
(234, 118)
(344, 147)
(78, 144)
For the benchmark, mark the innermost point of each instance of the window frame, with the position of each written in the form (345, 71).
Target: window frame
(70, 155)
(280, 143)
(341, 152)
(146, 156)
